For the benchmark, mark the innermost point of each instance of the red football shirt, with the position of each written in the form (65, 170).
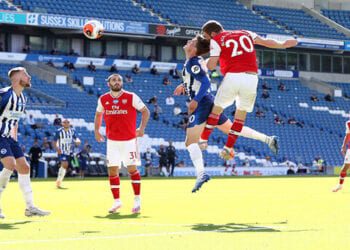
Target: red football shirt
(120, 114)
(236, 51)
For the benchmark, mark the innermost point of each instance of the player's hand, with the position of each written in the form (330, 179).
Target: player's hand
(99, 137)
(192, 106)
(140, 132)
(180, 90)
(59, 151)
(290, 43)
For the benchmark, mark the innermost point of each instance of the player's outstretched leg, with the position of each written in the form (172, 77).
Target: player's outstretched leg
(247, 132)
(341, 178)
(136, 186)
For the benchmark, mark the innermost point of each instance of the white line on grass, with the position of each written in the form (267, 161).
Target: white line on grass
(112, 237)
(104, 222)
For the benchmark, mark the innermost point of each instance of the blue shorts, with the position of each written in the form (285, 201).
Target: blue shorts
(64, 157)
(10, 147)
(83, 165)
(202, 112)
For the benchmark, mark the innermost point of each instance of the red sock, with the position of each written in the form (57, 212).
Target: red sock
(136, 182)
(212, 121)
(114, 182)
(342, 177)
(232, 136)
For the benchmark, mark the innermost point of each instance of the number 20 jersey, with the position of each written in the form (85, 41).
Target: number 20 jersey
(236, 51)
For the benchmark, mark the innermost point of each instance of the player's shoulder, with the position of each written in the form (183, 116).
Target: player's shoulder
(347, 124)
(125, 92)
(194, 65)
(130, 94)
(104, 96)
(4, 91)
(59, 130)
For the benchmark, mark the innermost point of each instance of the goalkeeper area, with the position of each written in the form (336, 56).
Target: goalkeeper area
(227, 213)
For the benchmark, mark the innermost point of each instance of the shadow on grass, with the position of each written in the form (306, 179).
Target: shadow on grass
(232, 228)
(117, 216)
(11, 226)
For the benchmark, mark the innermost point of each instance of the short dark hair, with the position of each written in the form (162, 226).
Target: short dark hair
(203, 45)
(212, 26)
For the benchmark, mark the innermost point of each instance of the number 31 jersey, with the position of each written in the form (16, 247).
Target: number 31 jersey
(236, 51)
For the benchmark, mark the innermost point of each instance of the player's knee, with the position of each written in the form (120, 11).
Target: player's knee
(113, 171)
(217, 110)
(132, 169)
(23, 168)
(64, 164)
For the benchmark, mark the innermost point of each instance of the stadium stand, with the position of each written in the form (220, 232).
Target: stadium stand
(232, 15)
(340, 16)
(299, 22)
(4, 6)
(107, 9)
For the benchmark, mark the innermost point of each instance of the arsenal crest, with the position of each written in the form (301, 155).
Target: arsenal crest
(124, 101)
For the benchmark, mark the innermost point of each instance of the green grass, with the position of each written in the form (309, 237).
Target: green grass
(228, 213)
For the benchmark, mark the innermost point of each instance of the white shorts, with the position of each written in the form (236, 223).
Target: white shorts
(240, 88)
(347, 157)
(123, 153)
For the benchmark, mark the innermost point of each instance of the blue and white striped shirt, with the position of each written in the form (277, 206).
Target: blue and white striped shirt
(11, 110)
(196, 81)
(65, 140)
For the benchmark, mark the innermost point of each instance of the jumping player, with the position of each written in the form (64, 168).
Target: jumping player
(346, 153)
(119, 108)
(236, 53)
(12, 106)
(63, 142)
(197, 86)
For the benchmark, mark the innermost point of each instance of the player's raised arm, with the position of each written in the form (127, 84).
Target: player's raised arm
(274, 44)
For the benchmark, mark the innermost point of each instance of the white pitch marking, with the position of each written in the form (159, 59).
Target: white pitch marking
(111, 237)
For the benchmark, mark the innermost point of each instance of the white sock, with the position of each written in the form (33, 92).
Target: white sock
(197, 158)
(253, 134)
(61, 173)
(24, 184)
(5, 176)
(164, 171)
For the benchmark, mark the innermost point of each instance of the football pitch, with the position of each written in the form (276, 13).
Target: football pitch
(227, 213)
